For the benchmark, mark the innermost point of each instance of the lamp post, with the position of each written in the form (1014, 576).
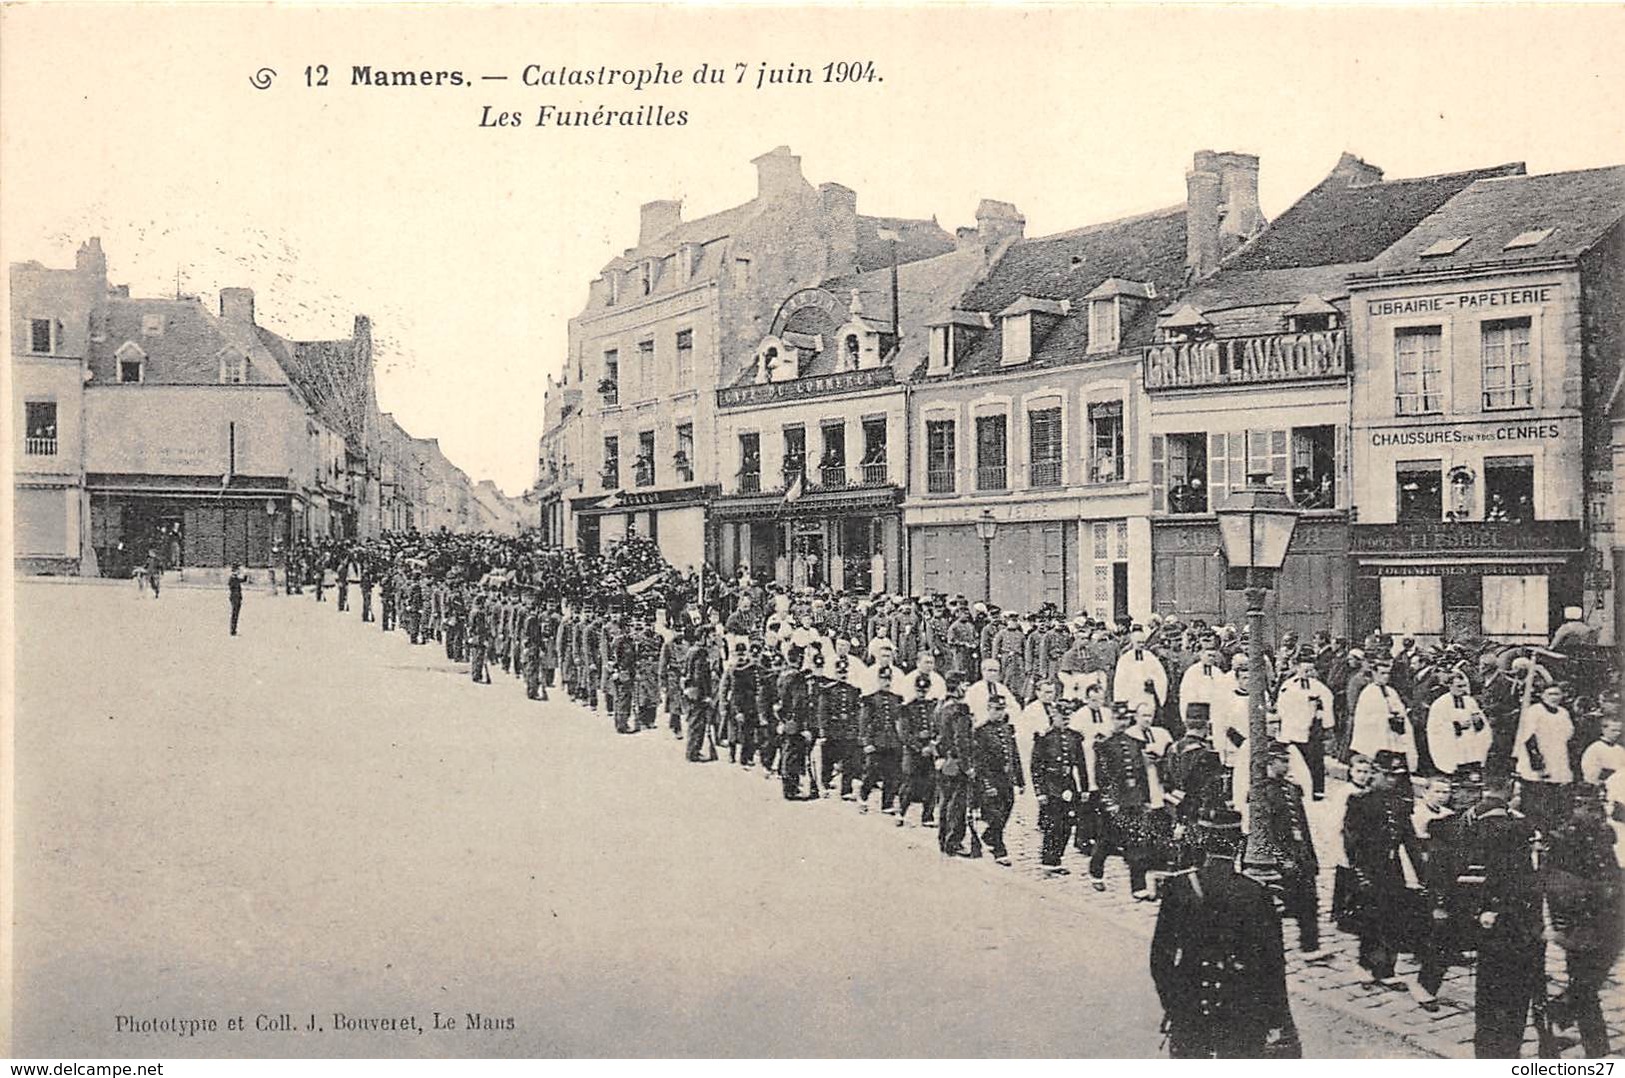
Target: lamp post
(987, 526)
(1255, 528)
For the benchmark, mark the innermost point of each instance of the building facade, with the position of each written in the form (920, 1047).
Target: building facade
(1470, 422)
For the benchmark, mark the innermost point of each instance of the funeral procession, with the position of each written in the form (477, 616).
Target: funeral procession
(1203, 617)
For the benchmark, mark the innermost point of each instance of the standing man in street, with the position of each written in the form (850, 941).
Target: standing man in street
(1059, 778)
(1287, 825)
(234, 590)
(1511, 947)
(953, 765)
(367, 572)
(1308, 714)
(997, 774)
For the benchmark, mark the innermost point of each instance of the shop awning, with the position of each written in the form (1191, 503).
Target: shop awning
(819, 503)
(626, 501)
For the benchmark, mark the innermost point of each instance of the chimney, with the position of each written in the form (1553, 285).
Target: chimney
(655, 219)
(997, 222)
(237, 305)
(1202, 187)
(1355, 172)
(1239, 216)
(778, 174)
(840, 211)
(91, 259)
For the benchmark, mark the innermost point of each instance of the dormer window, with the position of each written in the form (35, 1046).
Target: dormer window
(849, 351)
(131, 363)
(1106, 306)
(1024, 321)
(940, 360)
(1103, 325)
(647, 278)
(1445, 247)
(1184, 325)
(613, 279)
(1313, 315)
(233, 369)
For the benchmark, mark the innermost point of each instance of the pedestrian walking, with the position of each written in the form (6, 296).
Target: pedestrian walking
(234, 591)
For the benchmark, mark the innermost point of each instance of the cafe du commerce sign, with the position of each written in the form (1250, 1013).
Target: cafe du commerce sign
(1235, 361)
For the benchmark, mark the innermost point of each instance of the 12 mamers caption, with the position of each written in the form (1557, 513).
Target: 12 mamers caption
(758, 76)
(332, 1022)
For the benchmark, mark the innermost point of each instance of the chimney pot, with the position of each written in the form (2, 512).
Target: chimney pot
(655, 219)
(778, 174)
(237, 304)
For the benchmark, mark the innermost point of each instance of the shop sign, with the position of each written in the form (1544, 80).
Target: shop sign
(1467, 434)
(1485, 569)
(1465, 537)
(1280, 357)
(1460, 301)
(818, 299)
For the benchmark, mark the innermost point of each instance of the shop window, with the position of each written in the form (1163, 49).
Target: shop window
(39, 333)
(1314, 467)
(992, 459)
(1508, 374)
(1418, 380)
(939, 456)
(874, 451)
(643, 468)
(1187, 473)
(1516, 606)
(1420, 490)
(832, 465)
(39, 434)
(1463, 599)
(795, 455)
(1044, 447)
(685, 357)
(611, 474)
(683, 459)
(1106, 442)
(750, 463)
(1509, 489)
(1412, 604)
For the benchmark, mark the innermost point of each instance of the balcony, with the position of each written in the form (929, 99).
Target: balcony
(1262, 360)
(874, 475)
(750, 482)
(803, 388)
(992, 477)
(643, 474)
(1046, 473)
(832, 476)
(39, 447)
(939, 481)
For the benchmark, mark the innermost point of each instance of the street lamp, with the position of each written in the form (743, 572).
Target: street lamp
(1255, 528)
(987, 526)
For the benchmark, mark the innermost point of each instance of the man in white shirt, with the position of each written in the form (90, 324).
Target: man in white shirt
(1094, 721)
(1306, 709)
(1157, 743)
(976, 696)
(925, 663)
(1204, 682)
(1605, 756)
(1540, 754)
(1458, 733)
(1231, 715)
(1140, 676)
(1381, 722)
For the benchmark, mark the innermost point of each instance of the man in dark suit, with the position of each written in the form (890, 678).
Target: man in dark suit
(997, 774)
(1059, 777)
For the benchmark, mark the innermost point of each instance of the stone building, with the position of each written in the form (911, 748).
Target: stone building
(1249, 374)
(678, 315)
(1489, 342)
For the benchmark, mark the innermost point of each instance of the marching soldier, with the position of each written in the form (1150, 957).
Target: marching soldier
(645, 686)
(879, 734)
(699, 690)
(739, 696)
(386, 600)
(918, 727)
(1511, 946)
(997, 773)
(954, 766)
(1216, 957)
(476, 634)
(1124, 793)
(1287, 825)
(838, 730)
(1059, 778)
(768, 745)
(794, 726)
(1376, 826)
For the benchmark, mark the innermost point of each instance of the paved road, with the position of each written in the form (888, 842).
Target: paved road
(316, 818)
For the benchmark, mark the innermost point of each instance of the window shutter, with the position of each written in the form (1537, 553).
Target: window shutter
(1238, 461)
(1218, 468)
(1159, 475)
(1340, 454)
(1279, 475)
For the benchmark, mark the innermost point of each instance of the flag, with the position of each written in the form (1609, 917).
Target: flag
(643, 585)
(793, 491)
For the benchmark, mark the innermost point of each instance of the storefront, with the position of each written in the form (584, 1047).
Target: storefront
(847, 540)
(187, 524)
(674, 518)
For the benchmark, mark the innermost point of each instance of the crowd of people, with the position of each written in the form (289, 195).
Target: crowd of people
(1480, 816)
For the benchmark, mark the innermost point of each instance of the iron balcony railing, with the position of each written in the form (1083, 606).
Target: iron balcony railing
(39, 447)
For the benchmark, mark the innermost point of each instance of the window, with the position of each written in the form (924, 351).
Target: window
(610, 387)
(1103, 325)
(1187, 473)
(1417, 380)
(646, 369)
(1314, 467)
(233, 369)
(129, 370)
(1508, 376)
(750, 463)
(849, 352)
(1018, 339)
(939, 456)
(612, 462)
(683, 460)
(1533, 238)
(1447, 246)
(1266, 455)
(1421, 490)
(1311, 323)
(39, 332)
(39, 432)
(874, 451)
(647, 279)
(1044, 447)
(644, 466)
(614, 280)
(1509, 489)
(832, 466)
(685, 357)
(795, 454)
(1106, 442)
(992, 460)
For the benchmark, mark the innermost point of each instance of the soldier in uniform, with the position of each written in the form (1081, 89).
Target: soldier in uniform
(794, 726)
(673, 661)
(953, 766)
(1059, 777)
(739, 697)
(997, 773)
(839, 705)
(918, 726)
(1376, 826)
(624, 666)
(386, 600)
(476, 634)
(367, 573)
(1217, 959)
(768, 745)
(882, 742)
(547, 652)
(1287, 825)
(699, 690)
(645, 687)
(1124, 788)
(1511, 946)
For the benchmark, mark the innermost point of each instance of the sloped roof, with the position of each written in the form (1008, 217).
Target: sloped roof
(333, 376)
(917, 238)
(1579, 207)
(1149, 248)
(1341, 220)
(187, 352)
(707, 229)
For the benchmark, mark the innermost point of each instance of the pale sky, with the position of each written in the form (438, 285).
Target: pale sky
(470, 248)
